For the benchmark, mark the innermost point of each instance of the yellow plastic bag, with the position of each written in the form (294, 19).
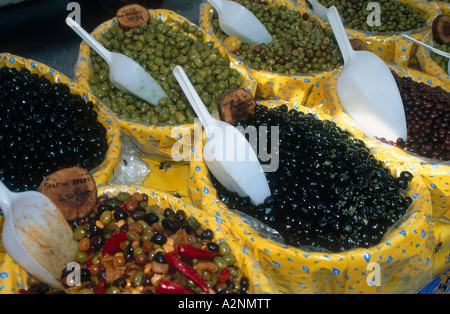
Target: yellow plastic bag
(260, 282)
(436, 175)
(153, 140)
(391, 47)
(12, 277)
(428, 65)
(403, 260)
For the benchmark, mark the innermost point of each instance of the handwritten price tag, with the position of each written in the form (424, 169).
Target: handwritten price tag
(72, 190)
(131, 16)
(235, 105)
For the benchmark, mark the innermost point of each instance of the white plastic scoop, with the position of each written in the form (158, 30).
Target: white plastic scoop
(36, 235)
(367, 88)
(227, 153)
(437, 51)
(236, 20)
(319, 9)
(124, 73)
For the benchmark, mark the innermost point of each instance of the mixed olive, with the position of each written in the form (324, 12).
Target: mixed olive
(127, 246)
(329, 191)
(396, 16)
(300, 44)
(427, 112)
(159, 46)
(45, 128)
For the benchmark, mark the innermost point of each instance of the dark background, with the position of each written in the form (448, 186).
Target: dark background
(36, 29)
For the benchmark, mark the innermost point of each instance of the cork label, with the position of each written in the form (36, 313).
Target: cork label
(131, 16)
(72, 190)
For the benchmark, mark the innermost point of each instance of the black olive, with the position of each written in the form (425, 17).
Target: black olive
(151, 218)
(159, 238)
(98, 242)
(171, 224)
(207, 234)
(213, 246)
(102, 207)
(159, 257)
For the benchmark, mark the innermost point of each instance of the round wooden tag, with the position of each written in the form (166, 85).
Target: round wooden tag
(131, 16)
(72, 190)
(235, 105)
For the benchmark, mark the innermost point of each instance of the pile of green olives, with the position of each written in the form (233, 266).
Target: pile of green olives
(159, 46)
(396, 16)
(300, 44)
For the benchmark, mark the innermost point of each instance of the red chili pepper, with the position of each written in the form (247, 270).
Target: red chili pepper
(100, 288)
(23, 291)
(187, 270)
(112, 245)
(188, 250)
(224, 275)
(168, 287)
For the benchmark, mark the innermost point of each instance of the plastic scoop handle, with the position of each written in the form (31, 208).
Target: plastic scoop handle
(437, 51)
(193, 97)
(340, 34)
(94, 44)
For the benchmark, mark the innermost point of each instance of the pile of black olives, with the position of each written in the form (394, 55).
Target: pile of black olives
(329, 191)
(45, 128)
(427, 111)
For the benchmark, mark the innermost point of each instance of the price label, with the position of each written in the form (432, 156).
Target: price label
(72, 190)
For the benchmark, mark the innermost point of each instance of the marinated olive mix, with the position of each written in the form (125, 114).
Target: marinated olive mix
(300, 44)
(128, 246)
(396, 16)
(159, 46)
(427, 112)
(45, 128)
(329, 191)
